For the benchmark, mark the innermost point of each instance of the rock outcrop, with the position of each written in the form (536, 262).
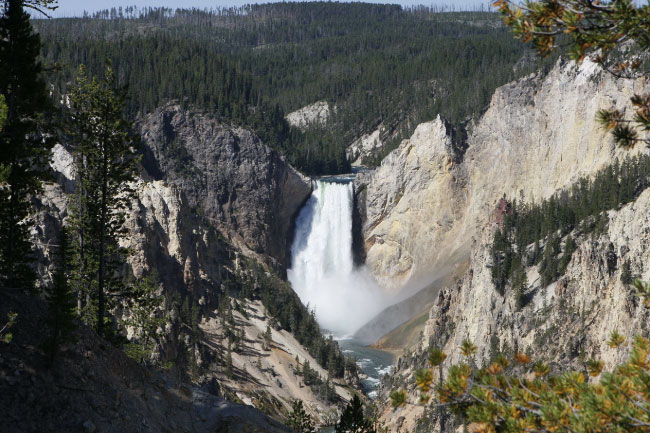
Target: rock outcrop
(228, 175)
(410, 203)
(427, 200)
(365, 146)
(316, 114)
(565, 323)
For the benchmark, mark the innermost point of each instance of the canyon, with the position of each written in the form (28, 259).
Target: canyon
(212, 200)
(252, 215)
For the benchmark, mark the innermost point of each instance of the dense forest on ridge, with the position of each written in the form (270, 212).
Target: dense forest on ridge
(376, 65)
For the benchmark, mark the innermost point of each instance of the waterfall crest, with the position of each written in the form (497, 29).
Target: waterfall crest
(322, 270)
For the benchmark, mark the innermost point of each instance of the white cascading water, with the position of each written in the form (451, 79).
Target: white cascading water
(322, 269)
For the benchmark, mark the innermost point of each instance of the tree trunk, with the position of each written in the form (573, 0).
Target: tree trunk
(442, 409)
(102, 236)
(10, 238)
(82, 255)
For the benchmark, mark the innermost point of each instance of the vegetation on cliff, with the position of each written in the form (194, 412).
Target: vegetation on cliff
(519, 395)
(539, 233)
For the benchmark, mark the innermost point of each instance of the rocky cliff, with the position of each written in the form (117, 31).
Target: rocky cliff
(316, 114)
(210, 201)
(566, 323)
(409, 203)
(430, 195)
(227, 175)
(538, 136)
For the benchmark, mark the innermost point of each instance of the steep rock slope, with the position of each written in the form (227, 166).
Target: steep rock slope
(171, 234)
(246, 189)
(194, 262)
(538, 136)
(566, 323)
(428, 198)
(365, 146)
(408, 203)
(267, 373)
(93, 387)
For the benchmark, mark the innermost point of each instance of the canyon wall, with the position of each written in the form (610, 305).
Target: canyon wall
(248, 191)
(539, 135)
(566, 323)
(209, 198)
(432, 194)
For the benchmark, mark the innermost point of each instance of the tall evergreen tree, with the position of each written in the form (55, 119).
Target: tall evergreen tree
(145, 305)
(4, 170)
(105, 158)
(61, 302)
(626, 273)
(24, 140)
(3, 112)
(299, 420)
(353, 419)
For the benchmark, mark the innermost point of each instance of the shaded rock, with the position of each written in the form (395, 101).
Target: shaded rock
(89, 426)
(227, 174)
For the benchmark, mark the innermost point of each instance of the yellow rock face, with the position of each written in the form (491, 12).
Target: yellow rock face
(428, 199)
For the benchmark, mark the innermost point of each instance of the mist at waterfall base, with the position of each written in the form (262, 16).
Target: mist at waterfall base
(322, 271)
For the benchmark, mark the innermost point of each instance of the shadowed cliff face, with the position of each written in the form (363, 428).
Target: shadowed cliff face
(94, 387)
(228, 175)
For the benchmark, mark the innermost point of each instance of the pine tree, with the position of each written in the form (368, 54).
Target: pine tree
(268, 338)
(105, 159)
(4, 170)
(229, 366)
(42, 6)
(569, 248)
(3, 112)
(61, 302)
(299, 420)
(626, 273)
(144, 318)
(521, 286)
(606, 401)
(353, 420)
(25, 140)
(5, 335)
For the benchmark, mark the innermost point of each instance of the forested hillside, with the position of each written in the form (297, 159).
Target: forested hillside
(377, 65)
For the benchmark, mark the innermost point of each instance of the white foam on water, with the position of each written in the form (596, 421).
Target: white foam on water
(385, 370)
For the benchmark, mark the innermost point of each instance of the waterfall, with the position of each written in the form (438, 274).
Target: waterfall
(322, 270)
